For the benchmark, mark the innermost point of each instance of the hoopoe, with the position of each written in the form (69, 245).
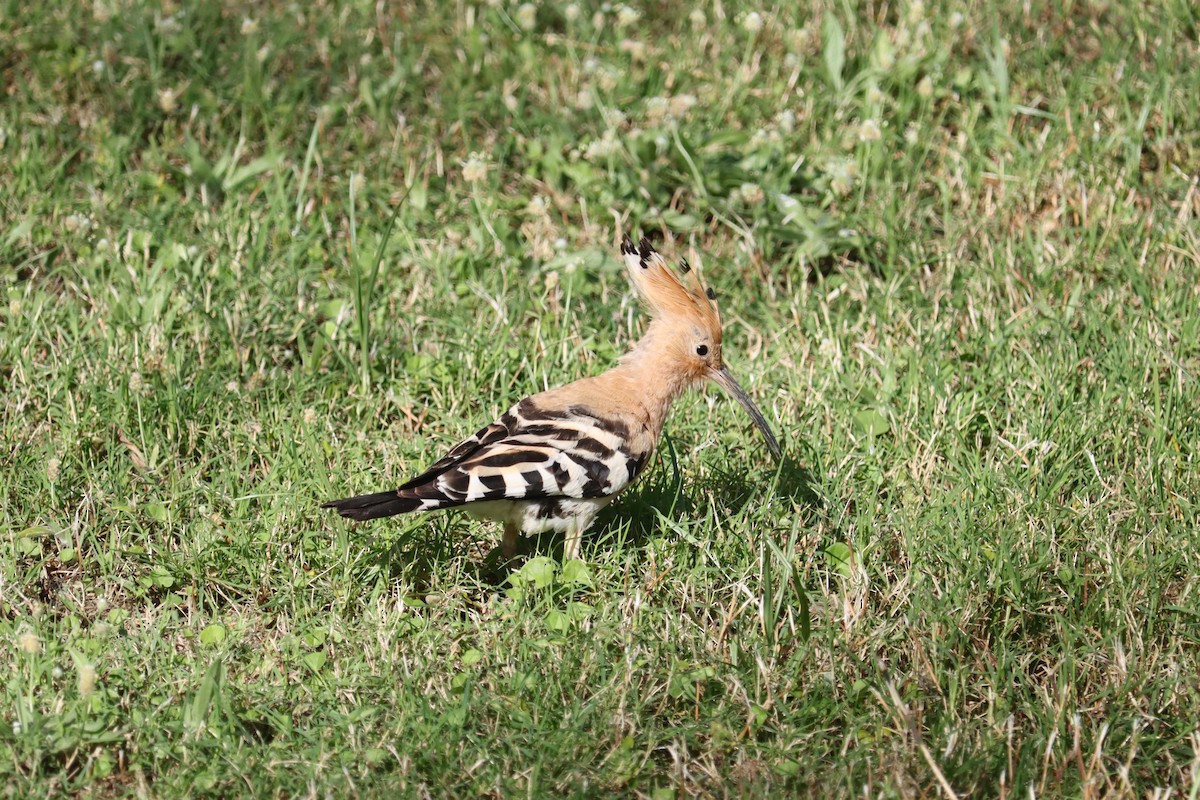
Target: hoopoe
(555, 459)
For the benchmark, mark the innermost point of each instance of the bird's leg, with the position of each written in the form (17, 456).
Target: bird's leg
(508, 545)
(571, 542)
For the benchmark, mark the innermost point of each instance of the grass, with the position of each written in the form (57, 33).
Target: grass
(255, 261)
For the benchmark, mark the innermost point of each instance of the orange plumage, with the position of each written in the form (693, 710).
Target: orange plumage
(552, 461)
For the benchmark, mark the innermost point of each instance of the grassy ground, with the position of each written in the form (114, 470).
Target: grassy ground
(252, 260)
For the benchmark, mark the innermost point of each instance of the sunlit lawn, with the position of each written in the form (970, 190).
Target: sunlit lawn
(257, 259)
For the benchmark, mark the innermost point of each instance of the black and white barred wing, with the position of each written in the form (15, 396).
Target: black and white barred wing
(530, 453)
(496, 432)
(545, 454)
(410, 495)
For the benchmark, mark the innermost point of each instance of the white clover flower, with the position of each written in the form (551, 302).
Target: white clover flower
(868, 131)
(167, 100)
(752, 194)
(842, 175)
(571, 12)
(249, 26)
(598, 20)
(602, 148)
(635, 48)
(752, 23)
(614, 117)
(956, 20)
(607, 78)
(786, 120)
(681, 104)
(98, 67)
(87, 679)
(657, 109)
(168, 25)
(29, 643)
(536, 206)
(135, 382)
(874, 95)
(585, 100)
(925, 87)
(697, 19)
(101, 604)
(799, 39)
(510, 101)
(627, 16)
(916, 11)
(474, 169)
(310, 416)
(527, 16)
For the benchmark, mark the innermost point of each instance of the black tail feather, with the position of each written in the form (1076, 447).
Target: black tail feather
(374, 506)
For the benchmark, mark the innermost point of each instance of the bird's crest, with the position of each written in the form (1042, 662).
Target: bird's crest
(667, 293)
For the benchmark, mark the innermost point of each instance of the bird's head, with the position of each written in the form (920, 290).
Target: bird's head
(686, 324)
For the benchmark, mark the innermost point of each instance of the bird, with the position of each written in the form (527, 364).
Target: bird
(553, 460)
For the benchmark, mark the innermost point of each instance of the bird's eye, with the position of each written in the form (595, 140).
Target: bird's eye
(701, 349)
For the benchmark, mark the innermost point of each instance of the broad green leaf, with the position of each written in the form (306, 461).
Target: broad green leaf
(871, 422)
(539, 571)
(838, 556)
(835, 49)
(576, 571)
(213, 634)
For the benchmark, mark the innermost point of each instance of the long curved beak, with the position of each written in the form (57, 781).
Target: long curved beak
(724, 378)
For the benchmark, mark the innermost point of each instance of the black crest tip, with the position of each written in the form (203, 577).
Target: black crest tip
(684, 265)
(710, 294)
(627, 247)
(645, 249)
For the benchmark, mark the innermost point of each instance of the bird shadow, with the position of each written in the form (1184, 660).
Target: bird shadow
(635, 519)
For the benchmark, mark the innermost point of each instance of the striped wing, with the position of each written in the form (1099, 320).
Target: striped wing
(532, 453)
(416, 494)
(496, 432)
